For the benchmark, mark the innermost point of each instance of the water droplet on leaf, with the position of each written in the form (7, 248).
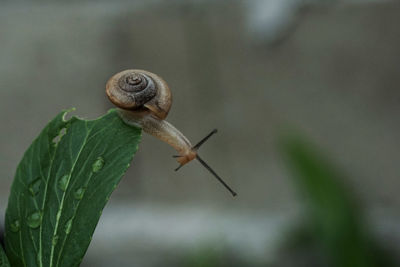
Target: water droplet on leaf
(35, 219)
(79, 193)
(98, 164)
(54, 240)
(58, 215)
(34, 187)
(68, 226)
(15, 226)
(57, 138)
(63, 183)
(38, 259)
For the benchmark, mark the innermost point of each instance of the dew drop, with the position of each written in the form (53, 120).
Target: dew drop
(35, 219)
(34, 187)
(63, 183)
(58, 215)
(68, 226)
(38, 259)
(54, 240)
(59, 136)
(79, 193)
(15, 226)
(98, 164)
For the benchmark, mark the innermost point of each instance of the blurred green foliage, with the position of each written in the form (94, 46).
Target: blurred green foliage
(3, 258)
(335, 223)
(213, 255)
(206, 257)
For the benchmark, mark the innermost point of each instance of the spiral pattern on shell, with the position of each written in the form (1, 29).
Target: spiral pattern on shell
(139, 87)
(138, 90)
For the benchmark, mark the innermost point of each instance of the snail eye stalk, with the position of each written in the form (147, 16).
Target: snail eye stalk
(216, 175)
(196, 147)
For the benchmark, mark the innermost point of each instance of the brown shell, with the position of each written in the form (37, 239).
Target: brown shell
(138, 90)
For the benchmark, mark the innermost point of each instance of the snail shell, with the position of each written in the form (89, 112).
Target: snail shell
(140, 90)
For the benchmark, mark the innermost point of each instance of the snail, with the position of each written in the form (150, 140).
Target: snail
(144, 99)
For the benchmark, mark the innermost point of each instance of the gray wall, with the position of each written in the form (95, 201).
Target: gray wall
(332, 72)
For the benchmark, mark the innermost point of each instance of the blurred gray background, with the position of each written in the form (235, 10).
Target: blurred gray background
(331, 69)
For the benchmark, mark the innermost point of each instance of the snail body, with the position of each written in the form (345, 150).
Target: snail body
(162, 130)
(144, 99)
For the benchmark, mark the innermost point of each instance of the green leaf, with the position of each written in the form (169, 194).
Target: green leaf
(3, 258)
(61, 187)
